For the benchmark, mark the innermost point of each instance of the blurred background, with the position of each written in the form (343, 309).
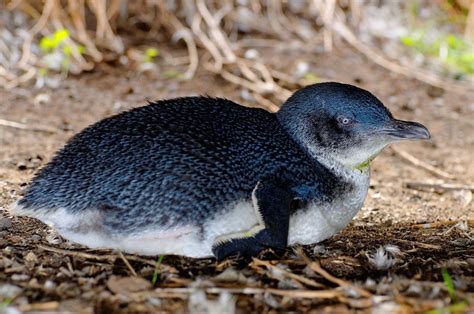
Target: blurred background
(66, 64)
(243, 42)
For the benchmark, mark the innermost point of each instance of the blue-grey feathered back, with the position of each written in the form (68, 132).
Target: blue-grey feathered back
(172, 162)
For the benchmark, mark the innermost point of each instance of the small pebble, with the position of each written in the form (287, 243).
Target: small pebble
(251, 54)
(9, 291)
(319, 249)
(31, 258)
(154, 301)
(8, 250)
(35, 238)
(302, 69)
(49, 285)
(20, 277)
(5, 223)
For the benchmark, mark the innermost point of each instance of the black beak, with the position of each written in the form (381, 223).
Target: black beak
(409, 130)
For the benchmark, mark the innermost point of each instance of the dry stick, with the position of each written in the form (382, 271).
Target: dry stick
(181, 32)
(56, 21)
(272, 16)
(30, 73)
(208, 44)
(25, 7)
(328, 18)
(4, 72)
(124, 259)
(265, 102)
(316, 267)
(108, 258)
(113, 9)
(270, 274)
(103, 29)
(420, 244)
(26, 51)
(469, 31)
(219, 39)
(304, 280)
(409, 71)
(293, 24)
(186, 35)
(78, 19)
(422, 186)
(321, 294)
(45, 306)
(418, 163)
(440, 224)
(105, 257)
(21, 126)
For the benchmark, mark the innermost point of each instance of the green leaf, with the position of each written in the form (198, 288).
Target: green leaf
(60, 35)
(157, 271)
(312, 78)
(455, 308)
(47, 44)
(6, 302)
(43, 72)
(152, 52)
(448, 282)
(407, 41)
(171, 74)
(67, 50)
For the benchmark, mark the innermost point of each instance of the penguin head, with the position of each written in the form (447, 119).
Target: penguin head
(344, 123)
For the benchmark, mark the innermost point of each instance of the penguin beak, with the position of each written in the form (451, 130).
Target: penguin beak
(405, 130)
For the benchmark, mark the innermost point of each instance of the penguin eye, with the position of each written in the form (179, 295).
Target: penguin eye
(344, 120)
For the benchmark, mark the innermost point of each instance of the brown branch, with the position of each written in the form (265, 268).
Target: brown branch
(418, 163)
(124, 259)
(423, 186)
(409, 71)
(441, 224)
(298, 278)
(21, 126)
(316, 267)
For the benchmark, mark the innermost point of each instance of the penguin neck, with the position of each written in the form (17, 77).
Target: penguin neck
(348, 173)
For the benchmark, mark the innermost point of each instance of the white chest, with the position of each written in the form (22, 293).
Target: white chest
(320, 221)
(317, 222)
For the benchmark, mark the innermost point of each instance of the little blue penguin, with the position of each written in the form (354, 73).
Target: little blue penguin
(201, 176)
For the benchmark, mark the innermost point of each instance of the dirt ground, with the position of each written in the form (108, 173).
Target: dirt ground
(41, 272)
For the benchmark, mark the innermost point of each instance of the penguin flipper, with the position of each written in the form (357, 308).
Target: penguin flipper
(271, 200)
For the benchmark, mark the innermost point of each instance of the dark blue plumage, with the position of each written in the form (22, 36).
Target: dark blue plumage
(175, 168)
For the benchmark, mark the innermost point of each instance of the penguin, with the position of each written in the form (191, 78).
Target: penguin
(202, 176)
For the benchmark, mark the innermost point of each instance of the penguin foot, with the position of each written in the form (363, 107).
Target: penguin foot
(247, 247)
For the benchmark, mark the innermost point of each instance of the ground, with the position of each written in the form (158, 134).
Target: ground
(39, 272)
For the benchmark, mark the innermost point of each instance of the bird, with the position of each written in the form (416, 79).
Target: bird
(201, 176)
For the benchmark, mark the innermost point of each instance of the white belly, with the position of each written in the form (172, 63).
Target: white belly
(317, 222)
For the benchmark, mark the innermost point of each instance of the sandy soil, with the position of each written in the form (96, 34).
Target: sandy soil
(44, 277)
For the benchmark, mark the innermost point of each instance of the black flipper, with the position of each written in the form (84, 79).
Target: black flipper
(271, 200)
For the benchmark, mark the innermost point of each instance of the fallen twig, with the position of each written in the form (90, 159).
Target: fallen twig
(124, 259)
(423, 186)
(304, 280)
(420, 244)
(183, 292)
(316, 267)
(109, 258)
(440, 224)
(21, 126)
(45, 306)
(418, 163)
